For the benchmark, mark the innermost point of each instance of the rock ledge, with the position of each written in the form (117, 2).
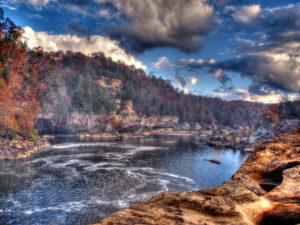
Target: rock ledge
(265, 190)
(13, 149)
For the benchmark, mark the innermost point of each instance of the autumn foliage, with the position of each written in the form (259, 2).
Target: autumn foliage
(116, 124)
(272, 114)
(20, 82)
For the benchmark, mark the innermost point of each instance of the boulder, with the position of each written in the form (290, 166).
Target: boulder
(185, 126)
(129, 129)
(197, 126)
(261, 134)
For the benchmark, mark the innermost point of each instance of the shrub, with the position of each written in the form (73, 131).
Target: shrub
(234, 137)
(259, 143)
(148, 128)
(12, 135)
(34, 134)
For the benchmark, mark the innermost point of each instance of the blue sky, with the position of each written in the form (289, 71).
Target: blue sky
(246, 50)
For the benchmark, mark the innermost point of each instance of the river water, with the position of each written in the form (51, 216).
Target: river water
(82, 182)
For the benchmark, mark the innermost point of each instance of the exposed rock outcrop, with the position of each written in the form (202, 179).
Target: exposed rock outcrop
(13, 149)
(265, 190)
(75, 123)
(261, 134)
(71, 123)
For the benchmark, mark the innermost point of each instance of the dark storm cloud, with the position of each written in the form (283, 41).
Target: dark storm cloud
(274, 60)
(169, 23)
(282, 19)
(280, 72)
(277, 71)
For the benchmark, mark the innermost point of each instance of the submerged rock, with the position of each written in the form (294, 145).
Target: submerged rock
(212, 161)
(265, 190)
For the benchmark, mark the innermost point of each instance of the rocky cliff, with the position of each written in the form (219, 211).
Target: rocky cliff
(265, 190)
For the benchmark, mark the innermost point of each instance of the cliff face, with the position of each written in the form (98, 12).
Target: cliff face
(78, 122)
(265, 190)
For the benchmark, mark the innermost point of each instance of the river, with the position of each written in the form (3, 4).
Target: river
(82, 182)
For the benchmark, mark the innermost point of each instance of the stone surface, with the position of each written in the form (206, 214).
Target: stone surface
(265, 190)
(260, 134)
(21, 149)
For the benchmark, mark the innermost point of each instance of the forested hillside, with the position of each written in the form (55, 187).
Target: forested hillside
(74, 82)
(35, 81)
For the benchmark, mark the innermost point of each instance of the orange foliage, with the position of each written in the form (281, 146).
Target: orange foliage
(20, 82)
(272, 114)
(115, 123)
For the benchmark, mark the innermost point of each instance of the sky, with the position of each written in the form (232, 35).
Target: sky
(232, 49)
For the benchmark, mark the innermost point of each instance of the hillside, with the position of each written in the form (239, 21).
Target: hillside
(98, 85)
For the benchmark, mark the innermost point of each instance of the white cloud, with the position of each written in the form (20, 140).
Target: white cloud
(220, 75)
(181, 86)
(196, 63)
(38, 2)
(35, 3)
(192, 80)
(247, 14)
(182, 82)
(106, 14)
(273, 61)
(7, 6)
(241, 94)
(152, 23)
(162, 63)
(75, 43)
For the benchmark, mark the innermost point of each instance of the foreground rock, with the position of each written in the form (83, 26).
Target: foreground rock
(13, 149)
(265, 190)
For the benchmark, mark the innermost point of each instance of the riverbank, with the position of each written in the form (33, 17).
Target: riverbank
(17, 149)
(226, 138)
(265, 190)
(120, 136)
(220, 139)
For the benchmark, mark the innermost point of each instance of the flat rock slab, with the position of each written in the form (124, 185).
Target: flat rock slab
(265, 190)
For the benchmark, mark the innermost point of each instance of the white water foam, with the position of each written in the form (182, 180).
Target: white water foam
(151, 170)
(133, 148)
(87, 144)
(72, 206)
(103, 165)
(76, 145)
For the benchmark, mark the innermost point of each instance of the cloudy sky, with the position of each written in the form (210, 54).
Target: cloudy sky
(232, 49)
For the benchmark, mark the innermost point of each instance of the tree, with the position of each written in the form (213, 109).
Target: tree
(20, 82)
(272, 114)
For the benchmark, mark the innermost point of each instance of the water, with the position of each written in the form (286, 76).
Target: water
(82, 182)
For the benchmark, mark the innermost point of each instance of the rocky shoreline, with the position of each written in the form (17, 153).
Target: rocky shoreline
(246, 140)
(265, 190)
(17, 149)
